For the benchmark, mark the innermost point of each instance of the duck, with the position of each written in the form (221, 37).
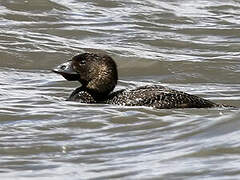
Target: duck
(98, 75)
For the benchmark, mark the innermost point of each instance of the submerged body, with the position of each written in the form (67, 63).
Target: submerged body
(98, 76)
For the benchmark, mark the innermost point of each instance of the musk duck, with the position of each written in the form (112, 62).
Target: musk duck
(98, 76)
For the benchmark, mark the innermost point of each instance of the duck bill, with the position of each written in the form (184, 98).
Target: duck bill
(67, 71)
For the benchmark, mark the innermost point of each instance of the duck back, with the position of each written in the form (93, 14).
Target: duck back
(158, 97)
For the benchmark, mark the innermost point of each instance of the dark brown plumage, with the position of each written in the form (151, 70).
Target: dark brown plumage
(98, 75)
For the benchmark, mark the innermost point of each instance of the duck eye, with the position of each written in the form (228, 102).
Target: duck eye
(82, 62)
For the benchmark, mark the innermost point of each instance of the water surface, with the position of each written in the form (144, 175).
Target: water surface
(192, 46)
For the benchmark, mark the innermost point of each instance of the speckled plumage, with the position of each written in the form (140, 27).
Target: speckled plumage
(98, 76)
(158, 97)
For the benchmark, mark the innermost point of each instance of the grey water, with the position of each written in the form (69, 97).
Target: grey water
(192, 46)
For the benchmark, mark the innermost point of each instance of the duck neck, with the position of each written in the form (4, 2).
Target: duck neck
(100, 88)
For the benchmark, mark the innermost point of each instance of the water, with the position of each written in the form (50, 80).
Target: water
(187, 45)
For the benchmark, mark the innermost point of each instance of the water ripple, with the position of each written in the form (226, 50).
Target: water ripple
(186, 45)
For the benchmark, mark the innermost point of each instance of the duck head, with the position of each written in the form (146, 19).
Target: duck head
(96, 72)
